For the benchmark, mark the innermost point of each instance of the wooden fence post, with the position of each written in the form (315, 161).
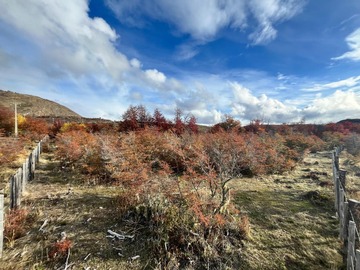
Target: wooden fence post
(342, 179)
(354, 210)
(357, 258)
(2, 212)
(12, 192)
(345, 219)
(33, 161)
(337, 152)
(37, 153)
(351, 246)
(23, 177)
(31, 171)
(342, 215)
(28, 169)
(336, 190)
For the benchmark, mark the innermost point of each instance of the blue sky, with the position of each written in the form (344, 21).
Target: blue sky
(275, 60)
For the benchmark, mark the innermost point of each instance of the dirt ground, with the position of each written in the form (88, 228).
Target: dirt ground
(291, 218)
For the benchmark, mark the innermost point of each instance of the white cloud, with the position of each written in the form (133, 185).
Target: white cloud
(155, 76)
(247, 106)
(58, 52)
(66, 37)
(56, 45)
(135, 63)
(338, 106)
(346, 83)
(353, 41)
(186, 52)
(203, 20)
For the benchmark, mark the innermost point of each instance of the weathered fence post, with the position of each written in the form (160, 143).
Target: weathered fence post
(342, 179)
(342, 215)
(345, 219)
(31, 170)
(357, 262)
(37, 152)
(1, 224)
(23, 177)
(354, 210)
(12, 192)
(20, 181)
(337, 152)
(336, 184)
(15, 190)
(27, 170)
(33, 163)
(351, 246)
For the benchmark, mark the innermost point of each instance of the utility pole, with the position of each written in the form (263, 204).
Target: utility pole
(16, 121)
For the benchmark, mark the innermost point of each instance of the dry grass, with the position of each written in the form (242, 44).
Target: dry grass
(291, 218)
(84, 212)
(291, 223)
(351, 164)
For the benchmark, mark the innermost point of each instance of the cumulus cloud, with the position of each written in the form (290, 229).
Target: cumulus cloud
(353, 42)
(58, 46)
(247, 106)
(57, 51)
(155, 76)
(338, 106)
(135, 63)
(203, 20)
(66, 37)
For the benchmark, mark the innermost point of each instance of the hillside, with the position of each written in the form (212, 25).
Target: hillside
(354, 121)
(34, 106)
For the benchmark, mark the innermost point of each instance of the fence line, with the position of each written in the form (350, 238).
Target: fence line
(348, 212)
(2, 213)
(18, 183)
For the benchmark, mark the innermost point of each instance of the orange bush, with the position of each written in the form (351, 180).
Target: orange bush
(81, 148)
(33, 129)
(60, 248)
(10, 148)
(16, 224)
(6, 120)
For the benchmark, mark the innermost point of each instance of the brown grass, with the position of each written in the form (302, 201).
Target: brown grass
(291, 218)
(290, 225)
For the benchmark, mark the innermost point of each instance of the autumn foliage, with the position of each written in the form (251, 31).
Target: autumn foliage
(176, 182)
(17, 223)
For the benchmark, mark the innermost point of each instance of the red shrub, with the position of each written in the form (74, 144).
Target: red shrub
(60, 248)
(7, 120)
(33, 129)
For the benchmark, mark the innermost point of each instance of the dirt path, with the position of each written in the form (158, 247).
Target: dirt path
(291, 217)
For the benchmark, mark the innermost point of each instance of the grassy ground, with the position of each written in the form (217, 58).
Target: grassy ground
(352, 166)
(291, 217)
(83, 211)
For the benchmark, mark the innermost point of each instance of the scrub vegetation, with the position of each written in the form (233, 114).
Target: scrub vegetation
(150, 193)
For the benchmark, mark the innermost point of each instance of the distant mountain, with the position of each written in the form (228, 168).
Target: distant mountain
(354, 121)
(35, 106)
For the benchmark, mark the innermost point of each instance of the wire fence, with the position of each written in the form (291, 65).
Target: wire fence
(17, 184)
(348, 213)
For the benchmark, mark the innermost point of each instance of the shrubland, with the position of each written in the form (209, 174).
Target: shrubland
(173, 181)
(29, 130)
